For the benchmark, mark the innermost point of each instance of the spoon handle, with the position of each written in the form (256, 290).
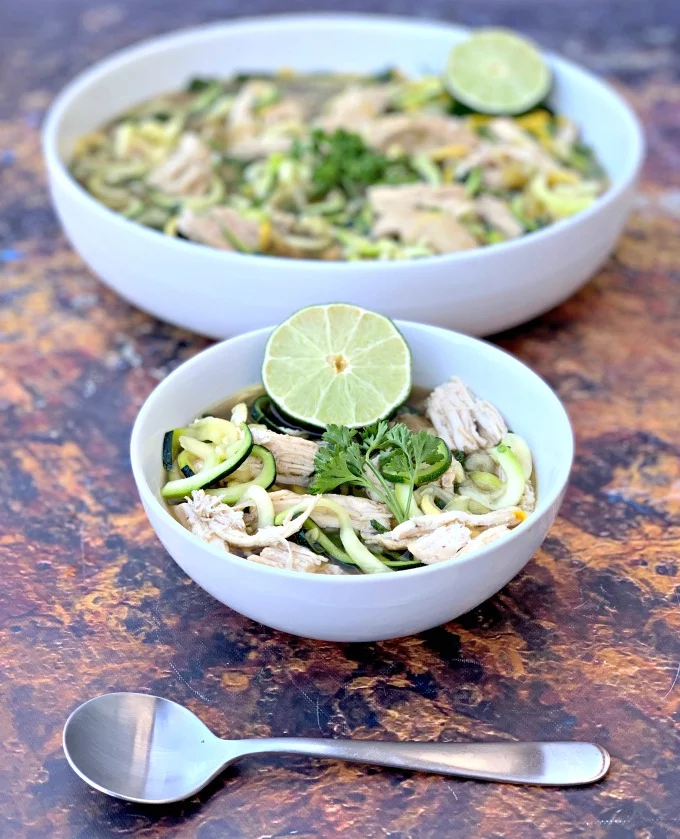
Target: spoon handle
(549, 764)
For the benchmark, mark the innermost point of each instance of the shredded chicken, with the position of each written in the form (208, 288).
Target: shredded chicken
(262, 145)
(257, 131)
(528, 500)
(243, 111)
(249, 469)
(516, 146)
(361, 510)
(293, 557)
(439, 231)
(462, 419)
(452, 199)
(484, 538)
(294, 455)
(403, 535)
(421, 132)
(497, 214)
(221, 227)
(187, 171)
(508, 131)
(455, 474)
(218, 523)
(284, 112)
(440, 544)
(355, 106)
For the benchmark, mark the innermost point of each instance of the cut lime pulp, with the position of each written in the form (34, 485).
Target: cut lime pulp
(496, 71)
(339, 364)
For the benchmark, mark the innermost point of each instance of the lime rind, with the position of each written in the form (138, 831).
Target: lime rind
(337, 363)
(497, 71)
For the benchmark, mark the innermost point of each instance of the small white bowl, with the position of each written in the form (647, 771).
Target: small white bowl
(358, 608)
(220, 294)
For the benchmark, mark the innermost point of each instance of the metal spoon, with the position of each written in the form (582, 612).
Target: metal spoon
(153, 751)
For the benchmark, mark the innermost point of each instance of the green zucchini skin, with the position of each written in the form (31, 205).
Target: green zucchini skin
(324, 545)
(267, 476)
(183, 464)
(266, 412)
(178, 490)
(170, 447)
(428, 472)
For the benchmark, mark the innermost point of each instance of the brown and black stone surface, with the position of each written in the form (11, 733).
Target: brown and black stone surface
(583, 644)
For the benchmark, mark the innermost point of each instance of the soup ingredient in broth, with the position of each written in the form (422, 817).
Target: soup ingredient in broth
(348, 166)
(497, 71)
(431, 480)
(337, 364)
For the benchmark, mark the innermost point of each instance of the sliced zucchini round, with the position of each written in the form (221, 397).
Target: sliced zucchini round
(265, 478)
(212, 429)
(427, 473)
(264, 411)
(178, 490)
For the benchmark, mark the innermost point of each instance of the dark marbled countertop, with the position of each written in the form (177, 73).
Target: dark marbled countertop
(584, 643)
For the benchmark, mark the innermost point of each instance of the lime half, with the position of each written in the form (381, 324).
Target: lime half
(337, 364)
(496, 71)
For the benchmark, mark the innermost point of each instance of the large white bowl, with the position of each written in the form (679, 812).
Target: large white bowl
(358, 608)
(220, 294)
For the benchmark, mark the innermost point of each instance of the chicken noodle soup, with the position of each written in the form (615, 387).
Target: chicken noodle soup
(336, 167)
(440, 479)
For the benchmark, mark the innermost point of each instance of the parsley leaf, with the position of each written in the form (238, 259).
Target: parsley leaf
(347, 457)
(343, 161)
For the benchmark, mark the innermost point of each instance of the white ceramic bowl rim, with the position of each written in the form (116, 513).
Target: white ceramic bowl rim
(544, 500)
(62, 103)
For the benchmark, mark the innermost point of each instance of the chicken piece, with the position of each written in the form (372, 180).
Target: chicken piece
(361, 510)
(508, 131)
(284, 112)
(528, 500)
(294, 455)
(455, 474)
(438, 231)
(415, 422)
(512, 135)
(220, 227)
(220, 524)
(497, 214)
(355, 106)
(566, 133)
(247, 471)
(255, 131)
(417, 132)
(452, 199)
(462, 419)
(440, 544)
(262, 145)
(187, 171)
(293, 557)
(243, 111)
(486, 537)
(404, 534)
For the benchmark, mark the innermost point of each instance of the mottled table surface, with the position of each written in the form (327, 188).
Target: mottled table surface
(583, 644)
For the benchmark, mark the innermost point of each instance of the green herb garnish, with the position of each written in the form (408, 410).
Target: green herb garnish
(343, 161)
(347, 459)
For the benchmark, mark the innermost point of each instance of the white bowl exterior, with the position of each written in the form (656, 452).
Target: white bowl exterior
(220, 294)
(358, 608)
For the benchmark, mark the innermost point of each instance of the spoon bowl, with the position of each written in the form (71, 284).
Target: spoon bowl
(142, 748)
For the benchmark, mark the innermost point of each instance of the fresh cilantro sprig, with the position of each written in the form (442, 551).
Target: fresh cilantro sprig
(343, 161)
(348, 458)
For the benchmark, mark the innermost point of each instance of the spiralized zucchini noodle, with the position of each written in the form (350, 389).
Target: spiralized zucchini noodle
(336, 167)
